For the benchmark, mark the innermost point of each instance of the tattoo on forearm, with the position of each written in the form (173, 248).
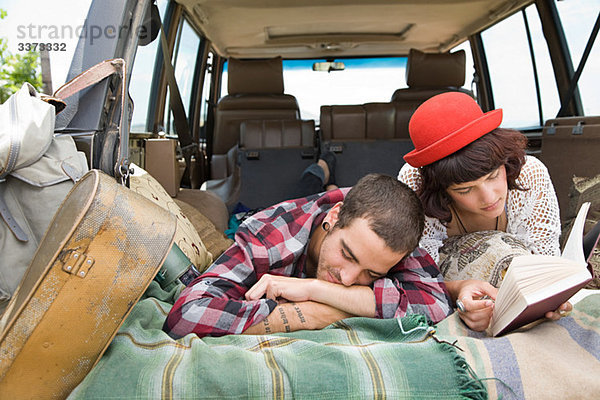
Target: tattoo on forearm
(266, 324)
(299, 312)
(284, 319)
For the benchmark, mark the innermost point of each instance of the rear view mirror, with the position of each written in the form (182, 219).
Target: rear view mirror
(328, 66)
(150, 27)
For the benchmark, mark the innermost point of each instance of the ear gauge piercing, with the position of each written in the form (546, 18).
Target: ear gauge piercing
(325, 226)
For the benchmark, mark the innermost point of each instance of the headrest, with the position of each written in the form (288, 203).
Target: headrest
(435, 70)
(259, 134)
(255, 76)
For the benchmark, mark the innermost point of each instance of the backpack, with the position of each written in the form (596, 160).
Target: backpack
(37, 170)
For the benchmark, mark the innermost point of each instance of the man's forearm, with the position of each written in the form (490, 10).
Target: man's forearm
(290, 317)
(356, 300)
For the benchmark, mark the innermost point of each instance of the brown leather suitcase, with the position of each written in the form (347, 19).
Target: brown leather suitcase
(101, 251)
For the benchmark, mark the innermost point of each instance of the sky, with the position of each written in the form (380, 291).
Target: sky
(55, 21)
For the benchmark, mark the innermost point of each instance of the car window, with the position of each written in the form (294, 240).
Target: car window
(184, 59)
(363, 80)
(185, 55)
(141, 79)
(469, 66)
(206, 89)
(513, 70)
(577, 22)
(206, 92)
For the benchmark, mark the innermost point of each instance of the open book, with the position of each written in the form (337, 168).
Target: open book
(536, 284)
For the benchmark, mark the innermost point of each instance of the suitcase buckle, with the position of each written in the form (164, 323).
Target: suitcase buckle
(78, 264)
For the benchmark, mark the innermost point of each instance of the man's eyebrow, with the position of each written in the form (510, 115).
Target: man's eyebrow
(350, 253)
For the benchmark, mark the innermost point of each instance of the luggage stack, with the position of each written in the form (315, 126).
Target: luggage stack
(104, 246)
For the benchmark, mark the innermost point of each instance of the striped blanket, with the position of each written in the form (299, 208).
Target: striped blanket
(355, 358)
(552, 360)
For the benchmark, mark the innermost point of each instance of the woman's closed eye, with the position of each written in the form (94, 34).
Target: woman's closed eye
(463, 190)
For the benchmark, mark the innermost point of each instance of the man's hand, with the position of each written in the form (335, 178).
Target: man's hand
(276, 287)
(355, 300)
(477, 310)
(290, 317)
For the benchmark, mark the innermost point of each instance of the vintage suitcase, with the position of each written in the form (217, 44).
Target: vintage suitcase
(101, 251)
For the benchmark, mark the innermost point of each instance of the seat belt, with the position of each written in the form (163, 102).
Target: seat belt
(189, 148)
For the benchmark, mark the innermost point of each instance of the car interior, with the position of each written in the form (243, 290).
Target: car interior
(220, 105)
(234, 88)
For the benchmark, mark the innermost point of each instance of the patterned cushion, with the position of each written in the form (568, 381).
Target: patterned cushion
(186, 236)
(481, 255)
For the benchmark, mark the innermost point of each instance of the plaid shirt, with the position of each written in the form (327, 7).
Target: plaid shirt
(275, 241)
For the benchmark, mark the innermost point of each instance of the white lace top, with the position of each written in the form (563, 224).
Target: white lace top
(533, 215)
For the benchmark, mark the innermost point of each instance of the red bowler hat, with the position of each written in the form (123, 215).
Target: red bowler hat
(445, 124)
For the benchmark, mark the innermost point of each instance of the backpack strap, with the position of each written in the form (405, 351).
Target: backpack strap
(8, 218)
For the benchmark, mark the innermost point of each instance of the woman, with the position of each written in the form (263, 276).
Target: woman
(473, 176)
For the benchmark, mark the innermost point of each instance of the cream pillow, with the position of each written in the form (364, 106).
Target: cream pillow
(186, 236)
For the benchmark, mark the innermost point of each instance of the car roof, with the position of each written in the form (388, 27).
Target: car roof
(341, 28)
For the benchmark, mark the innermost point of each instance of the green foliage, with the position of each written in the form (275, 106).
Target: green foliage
(17, 69)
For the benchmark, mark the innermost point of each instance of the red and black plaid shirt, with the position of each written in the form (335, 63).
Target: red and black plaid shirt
(275, 241)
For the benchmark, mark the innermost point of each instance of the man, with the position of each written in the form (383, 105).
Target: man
(306, 263)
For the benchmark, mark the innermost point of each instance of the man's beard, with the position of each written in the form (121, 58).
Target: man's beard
(322, 268)
(323, 271)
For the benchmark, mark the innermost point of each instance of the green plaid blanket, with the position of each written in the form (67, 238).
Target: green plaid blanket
(355, 358)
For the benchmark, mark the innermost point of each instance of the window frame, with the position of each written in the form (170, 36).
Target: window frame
(559, 56)
(174, 17)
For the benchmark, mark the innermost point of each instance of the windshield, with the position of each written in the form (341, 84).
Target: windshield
(362, 80)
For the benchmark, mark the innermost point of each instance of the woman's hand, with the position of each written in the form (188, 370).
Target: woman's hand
(562, 311)
(477, 302)
(476, 299)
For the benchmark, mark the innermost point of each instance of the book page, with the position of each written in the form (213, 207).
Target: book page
(533, 285)
(532, 272)
(557, 287)
(574, 247)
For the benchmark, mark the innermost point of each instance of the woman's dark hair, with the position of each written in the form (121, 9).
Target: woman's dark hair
(484, 155)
